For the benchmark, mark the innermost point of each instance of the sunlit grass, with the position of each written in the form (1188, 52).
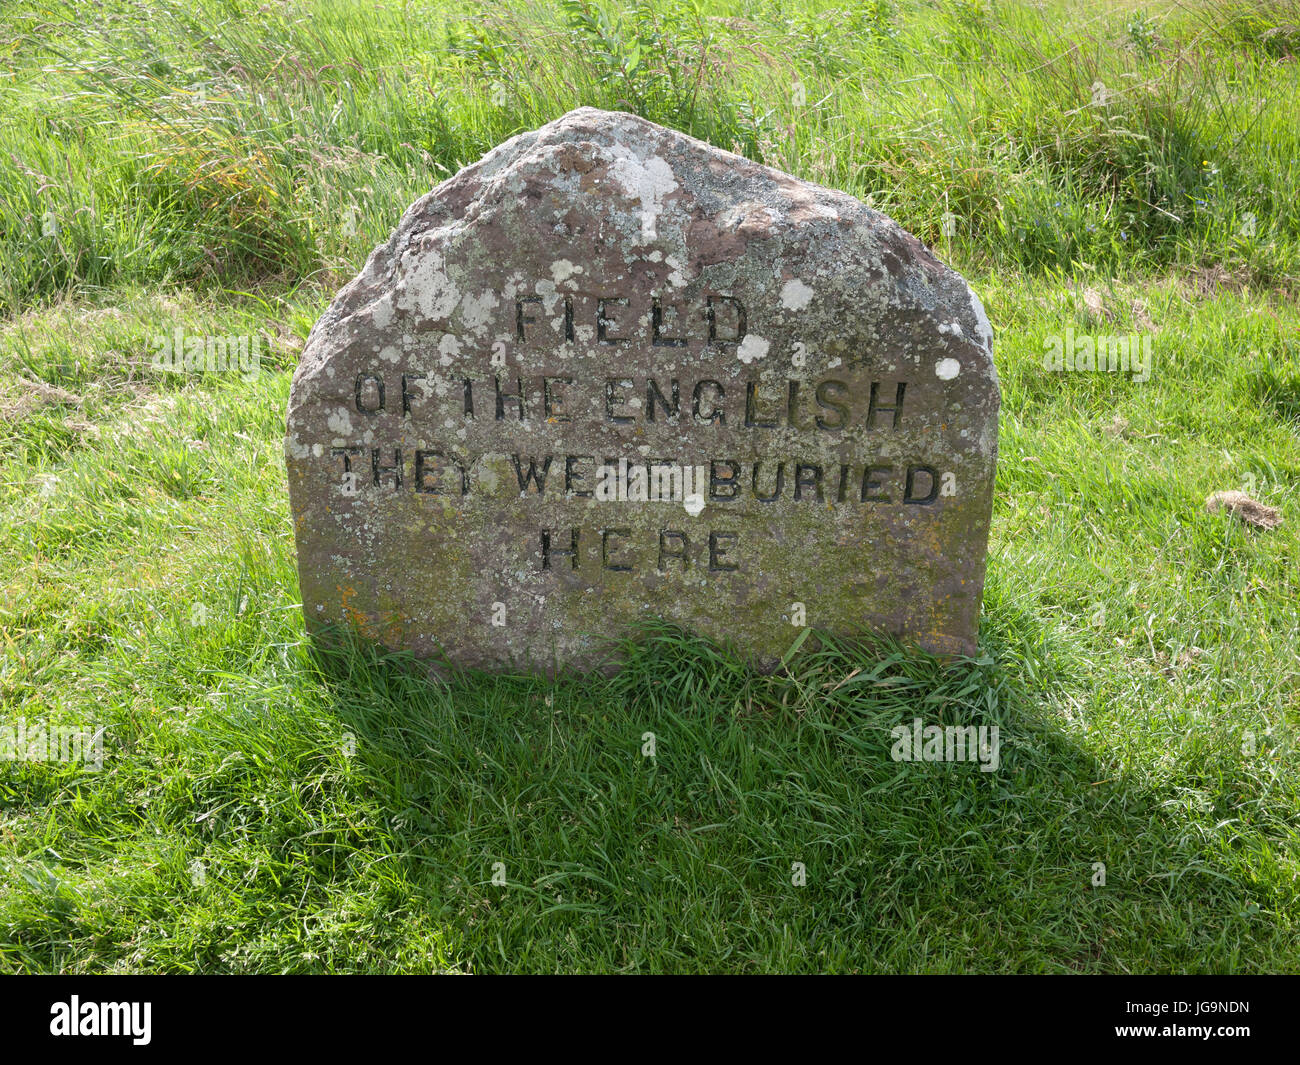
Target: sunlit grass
(268, 806)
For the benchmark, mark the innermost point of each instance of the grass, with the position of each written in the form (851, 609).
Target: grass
(265, 805)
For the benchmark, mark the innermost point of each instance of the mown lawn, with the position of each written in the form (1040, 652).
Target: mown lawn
(222, 167)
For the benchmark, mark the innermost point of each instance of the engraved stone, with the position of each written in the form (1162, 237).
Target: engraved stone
(609, 373)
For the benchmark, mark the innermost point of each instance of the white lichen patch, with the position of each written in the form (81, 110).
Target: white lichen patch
(947, 369)
(476, 311)
(795, 295)
(983, 331)
(426, 289)
(448, 349)
(514, 285)
(677, 278)
(546, 289)
(562, 270)
(753, 347)
(645, 179)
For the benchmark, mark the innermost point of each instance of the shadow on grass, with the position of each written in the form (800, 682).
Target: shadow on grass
(688, 813)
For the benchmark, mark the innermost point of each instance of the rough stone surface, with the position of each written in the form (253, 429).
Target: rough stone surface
(656, 301)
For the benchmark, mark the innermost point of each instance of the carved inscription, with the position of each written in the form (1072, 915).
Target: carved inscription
(827, 405)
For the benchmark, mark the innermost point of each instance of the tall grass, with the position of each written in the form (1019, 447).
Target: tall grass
(227, 142)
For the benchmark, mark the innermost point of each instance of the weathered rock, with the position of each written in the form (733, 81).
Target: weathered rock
(603, 292)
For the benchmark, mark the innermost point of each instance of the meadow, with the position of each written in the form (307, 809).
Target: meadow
(265, 805)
